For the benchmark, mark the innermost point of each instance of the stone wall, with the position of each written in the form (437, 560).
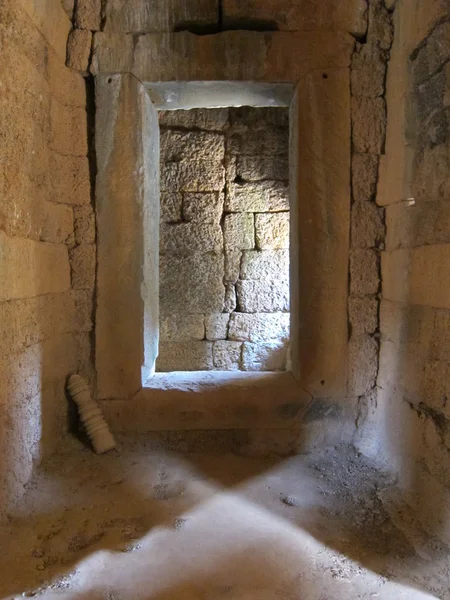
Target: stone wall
(408, 421)
(47, 235)
(224, 240)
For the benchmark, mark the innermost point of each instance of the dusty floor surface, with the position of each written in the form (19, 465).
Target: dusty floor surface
(141, 523)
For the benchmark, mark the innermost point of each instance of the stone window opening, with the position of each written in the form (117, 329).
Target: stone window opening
(224, 240)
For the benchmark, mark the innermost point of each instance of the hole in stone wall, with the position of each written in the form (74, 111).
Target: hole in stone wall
(224, 240)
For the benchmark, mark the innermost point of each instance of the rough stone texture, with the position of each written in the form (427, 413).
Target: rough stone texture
(367, 227)
(364, 176)
(263, 357)
(82, 266)
(88, 14)
(259, 327)
(369, 124)
(300, 15)
(79, 49)
(182, 328)
(217, 326)
(272, 231)
(217, 225)
(194, 356)
(368, 70)
(363, 364)
(261, 296)
(421, 224)
(432, 56)
(238, 55)
(227, 355)
(364, 277)
(363, 315)
(84, 224)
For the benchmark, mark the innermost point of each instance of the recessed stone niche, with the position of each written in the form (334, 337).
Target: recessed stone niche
(224, 239)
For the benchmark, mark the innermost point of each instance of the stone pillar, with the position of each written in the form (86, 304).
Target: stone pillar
(127, 205)
(320, 221)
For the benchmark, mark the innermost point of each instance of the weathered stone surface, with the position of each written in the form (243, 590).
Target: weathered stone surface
(205, 208)
(227, 355)
(20, 277)
(364, 176)
(238, 55)
(201, 176)
(57, 223)
(417, 275)
(177, 146)
(79, 49)
(88, 14)
(187, 238)
(84, 224)
(430, 179)
(158, 15)
(182, 328)
(363, 364)
(171, 207)
(302, 15)
(194, 356)
(70, 179)
(232, 265)
(212, 119)
(369, 124)
(51, 21)
(246, 118)
(364, 277)
(363, 315)
(238, 231)
(367, 225)
(265, 196)
(264, 357)
(421, 224)
(230, 301)
(259, 327)
(272, 231)
(68, 129)
(258, 168)
(433, 54)
(82, 266)
(187, 294)
(380, 29)
(68, 6)
(217, 326)
(265, 264)
(270, 141)
(368, 70)
(261, 296)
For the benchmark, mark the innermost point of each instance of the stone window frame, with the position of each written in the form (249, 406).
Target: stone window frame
(127, 204)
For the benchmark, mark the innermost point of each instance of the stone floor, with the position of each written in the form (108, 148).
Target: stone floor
(142, 523)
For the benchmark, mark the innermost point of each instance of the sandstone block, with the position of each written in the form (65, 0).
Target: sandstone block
(188, 238)
(79, 47)
(272, 231)
(70, 179)
(68, 129)
(261, 327)
(368, 70)
(257, 168)
(363, 364)
(380, 29)
(184, 356)
(68, 6)
(363, 315)
(181, 328)
(208, 119)
(217, 326)
(263, 296)
(369, 124)
(82, 266)
(187, 294)
(423, 224)
(364, 176)
(230, 301)
(205, 208)
(364, 276)
(246, 118)
(32, 268)
(201, 176)
(265, 196)
(57, 223)
(66, 86)
(271, 141)
(238, 231)
(265, 264)
(432, 56)
(88, 14)
(84, 224)
(430, 179)
(177, 146)
(232, 265)
(367, 228)
(171, 205)
(158, 15)
(227, 355)
(264, 357)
